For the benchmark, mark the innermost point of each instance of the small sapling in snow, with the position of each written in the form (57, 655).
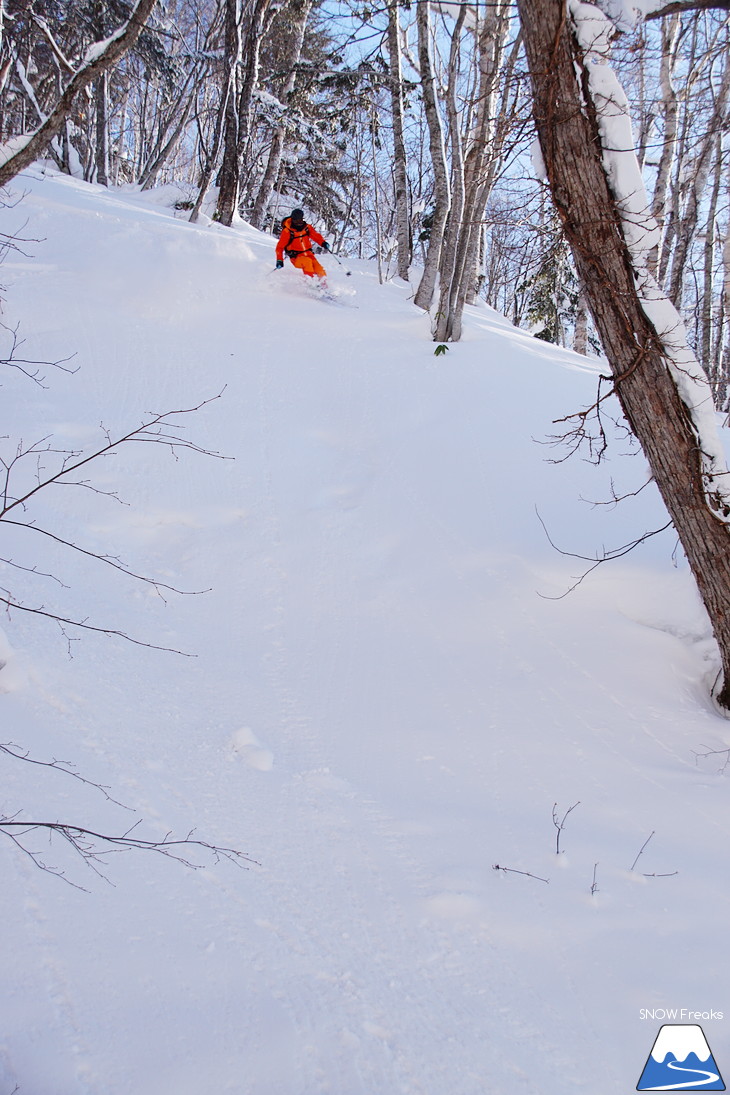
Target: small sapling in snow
(594, 883)
(560, 825)
(654, 874)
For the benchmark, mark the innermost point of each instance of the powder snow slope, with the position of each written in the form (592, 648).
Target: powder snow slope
(383, 705)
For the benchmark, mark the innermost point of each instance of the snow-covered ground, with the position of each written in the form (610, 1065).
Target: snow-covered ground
(385, 700)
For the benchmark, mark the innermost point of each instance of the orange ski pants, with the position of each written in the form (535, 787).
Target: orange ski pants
(307, 263)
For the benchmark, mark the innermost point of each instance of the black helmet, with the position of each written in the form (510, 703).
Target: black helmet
(297, 215)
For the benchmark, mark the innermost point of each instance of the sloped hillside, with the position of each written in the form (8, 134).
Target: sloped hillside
(385, 701)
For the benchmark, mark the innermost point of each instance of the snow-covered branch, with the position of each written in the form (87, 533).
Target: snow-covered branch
(99, 57)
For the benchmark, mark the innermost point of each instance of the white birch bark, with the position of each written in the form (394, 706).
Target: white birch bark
(442, 193)
(395, 79)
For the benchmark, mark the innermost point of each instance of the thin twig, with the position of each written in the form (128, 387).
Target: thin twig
(596, 561)
(93, 847)
(512, 870)
(64, 766)
(641, 849)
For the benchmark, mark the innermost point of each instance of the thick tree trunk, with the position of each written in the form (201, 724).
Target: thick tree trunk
(442, 196)
(478, 176)
(570, 139)
(256, 26)
(102, 144)
(229, 178)
(450, 245)
(402, 218)
(300, 15)
(212, 158)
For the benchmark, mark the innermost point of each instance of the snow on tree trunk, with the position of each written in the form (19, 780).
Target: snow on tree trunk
(587, 146)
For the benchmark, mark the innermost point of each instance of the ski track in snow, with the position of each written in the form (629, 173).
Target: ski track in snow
(382, 708)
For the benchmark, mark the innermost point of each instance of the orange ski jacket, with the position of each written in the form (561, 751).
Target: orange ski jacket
(294, 242)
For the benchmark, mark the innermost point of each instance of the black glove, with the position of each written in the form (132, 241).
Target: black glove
(279, 264)
(325, 246)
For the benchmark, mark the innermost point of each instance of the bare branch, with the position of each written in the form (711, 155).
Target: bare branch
(512, 870)
(158, 430)
(64, 766)
(596, 561)
(83, 625)
(714, 753)
(92, 847)
(641, 849)
(110, 560)
(28, 366)
(688, 5)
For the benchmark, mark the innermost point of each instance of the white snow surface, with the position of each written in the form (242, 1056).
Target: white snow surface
(384, 703)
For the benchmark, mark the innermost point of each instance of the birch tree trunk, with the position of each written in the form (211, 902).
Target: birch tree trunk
(400, 175)
(442, 193)
(706, 340)
(449, 247)
(580, 335)
(571, 143)
(212, 158)
(725, 359)
(670, 31)
(229, 179)
(102, 143)
(256, 26)
(278, 138)
(687, 226)
(479, 163)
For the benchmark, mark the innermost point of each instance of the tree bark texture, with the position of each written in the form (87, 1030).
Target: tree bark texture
(478, 175)
(687, 225)
(670, 31)
(229, 178)
(442, 194)
(400, 173)
(571, 146)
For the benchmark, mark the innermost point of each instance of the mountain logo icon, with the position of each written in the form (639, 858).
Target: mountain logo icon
(680, 1060)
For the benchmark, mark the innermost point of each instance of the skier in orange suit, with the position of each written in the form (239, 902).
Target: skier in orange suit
(296, 241)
